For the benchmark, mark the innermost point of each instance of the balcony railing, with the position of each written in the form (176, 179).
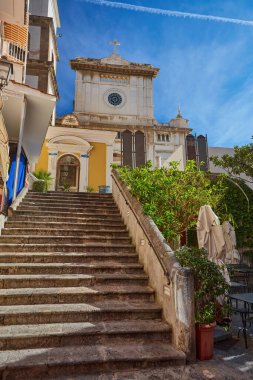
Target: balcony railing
(13, 51)
(14, 42)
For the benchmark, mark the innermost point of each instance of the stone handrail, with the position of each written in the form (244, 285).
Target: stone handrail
(173, 284)
(17, 201)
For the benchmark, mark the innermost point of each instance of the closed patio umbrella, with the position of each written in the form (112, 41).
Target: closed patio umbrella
(210, 236)
(232, 255)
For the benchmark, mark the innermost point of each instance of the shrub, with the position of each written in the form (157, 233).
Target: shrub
(209, 284)
(39, 186)
(171, 197)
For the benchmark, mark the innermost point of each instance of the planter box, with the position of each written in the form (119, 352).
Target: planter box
(104, 189)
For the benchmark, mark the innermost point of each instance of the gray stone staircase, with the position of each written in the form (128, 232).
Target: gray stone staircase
(74, 299)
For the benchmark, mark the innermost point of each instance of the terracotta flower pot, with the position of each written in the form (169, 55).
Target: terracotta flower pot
(205, 340)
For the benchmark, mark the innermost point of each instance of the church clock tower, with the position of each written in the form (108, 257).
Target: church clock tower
(114, 91)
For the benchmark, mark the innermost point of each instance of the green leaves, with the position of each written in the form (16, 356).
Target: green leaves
(240, 162)
(45, 176)
(172, 197)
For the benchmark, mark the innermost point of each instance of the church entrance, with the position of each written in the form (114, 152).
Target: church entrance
(68, 170)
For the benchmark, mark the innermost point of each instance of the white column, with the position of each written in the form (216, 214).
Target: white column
(19, 147)
(109, 161)
(84, 171)
(52, 166)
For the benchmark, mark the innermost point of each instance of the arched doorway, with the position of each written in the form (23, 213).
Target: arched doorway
(68, 169)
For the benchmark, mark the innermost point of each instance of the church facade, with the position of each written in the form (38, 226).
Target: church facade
(112, 122)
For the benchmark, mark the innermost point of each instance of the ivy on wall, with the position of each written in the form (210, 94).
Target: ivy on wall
(235, 208)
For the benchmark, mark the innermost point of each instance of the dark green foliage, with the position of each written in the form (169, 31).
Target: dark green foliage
(234, 206)
(40, 186)
(209, 283)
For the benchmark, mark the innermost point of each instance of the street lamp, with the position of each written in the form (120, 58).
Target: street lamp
(6, 69)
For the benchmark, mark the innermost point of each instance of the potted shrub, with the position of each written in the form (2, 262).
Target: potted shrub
(209, 285)
(46, 177)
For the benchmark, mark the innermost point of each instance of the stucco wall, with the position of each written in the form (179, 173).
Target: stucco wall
(97, 165)
(43, 159)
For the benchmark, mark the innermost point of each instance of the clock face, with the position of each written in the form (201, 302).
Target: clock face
(115, 99)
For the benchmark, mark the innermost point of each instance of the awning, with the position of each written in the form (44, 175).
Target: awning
(38, 113)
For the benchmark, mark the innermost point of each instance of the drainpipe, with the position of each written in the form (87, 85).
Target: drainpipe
(21, 130)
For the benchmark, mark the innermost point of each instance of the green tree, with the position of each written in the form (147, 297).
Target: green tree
(172, 197)
(240, 162)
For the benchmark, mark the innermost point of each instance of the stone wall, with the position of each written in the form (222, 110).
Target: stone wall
(172, 283)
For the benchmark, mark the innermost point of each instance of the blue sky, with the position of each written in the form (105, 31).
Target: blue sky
(205, 66)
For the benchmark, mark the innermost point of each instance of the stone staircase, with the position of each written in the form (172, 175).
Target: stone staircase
(75, 300)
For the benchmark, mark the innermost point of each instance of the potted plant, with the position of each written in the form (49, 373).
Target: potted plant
(209, 287)
(44, 181)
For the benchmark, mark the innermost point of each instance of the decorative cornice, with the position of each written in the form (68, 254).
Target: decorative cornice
(91, 64)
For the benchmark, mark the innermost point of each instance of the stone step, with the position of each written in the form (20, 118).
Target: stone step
(88, 247)
(25, 231)
(49, 280)
(69, 257)
(85, 225)
(105, 219)
(18, 337)
(74, 202)
(77, 214)
(30, 296)
(78, 312)
(47, 239)
(41, 363)
(69, 196)
(69, 268)
(70, 208)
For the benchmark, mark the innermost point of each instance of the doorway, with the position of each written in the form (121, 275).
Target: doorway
(68, 170)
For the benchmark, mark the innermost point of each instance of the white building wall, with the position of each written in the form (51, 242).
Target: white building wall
(12, 11)
(39, 7)
(91, 94)
(32, 80)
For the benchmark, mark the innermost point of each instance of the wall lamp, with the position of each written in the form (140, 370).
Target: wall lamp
(6, 69)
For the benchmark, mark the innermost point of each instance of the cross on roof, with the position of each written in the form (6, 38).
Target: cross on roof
(115, 44)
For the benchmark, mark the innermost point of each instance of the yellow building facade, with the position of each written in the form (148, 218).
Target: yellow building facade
(78, 159)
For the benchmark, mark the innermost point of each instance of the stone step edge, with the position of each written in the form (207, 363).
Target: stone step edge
(76, 328)
(64, 237)
(72, 265)
(92, 356)
(70, 254)
(68, 308)
(100, 290)
(13, 229)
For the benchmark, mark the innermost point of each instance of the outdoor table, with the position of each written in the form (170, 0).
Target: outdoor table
(237, 287)
(247, 299)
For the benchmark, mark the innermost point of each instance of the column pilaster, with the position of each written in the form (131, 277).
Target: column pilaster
(109, 161)
(84, 172)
